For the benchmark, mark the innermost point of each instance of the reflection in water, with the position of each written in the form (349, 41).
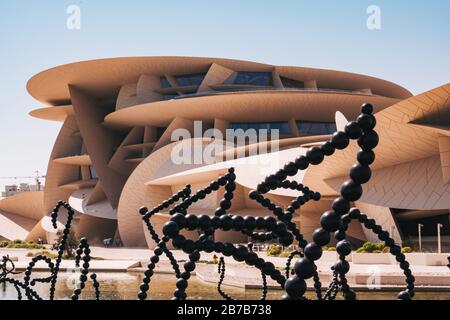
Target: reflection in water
(125, 286)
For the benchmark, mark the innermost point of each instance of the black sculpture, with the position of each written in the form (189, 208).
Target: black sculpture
(28, 283)
(261, 229)
(280, 228)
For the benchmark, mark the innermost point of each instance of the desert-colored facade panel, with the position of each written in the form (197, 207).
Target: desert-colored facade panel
(99, 142)
(26, 204)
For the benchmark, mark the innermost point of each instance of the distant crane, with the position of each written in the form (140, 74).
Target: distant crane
(37, 178)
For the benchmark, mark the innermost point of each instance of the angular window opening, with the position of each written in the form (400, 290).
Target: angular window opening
(282, 127)
(308, 128)
(292, 84)
(165, 83)
(251, 78)
(93, 172)
(190, 79)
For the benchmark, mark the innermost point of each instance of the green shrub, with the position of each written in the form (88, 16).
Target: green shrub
(407, 250)
(18, 244)
(274, 250)
(386, 250)
(370, 247)
(380, 246)
(329, 248)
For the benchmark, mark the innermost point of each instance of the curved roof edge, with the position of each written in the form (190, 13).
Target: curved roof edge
(104, 77)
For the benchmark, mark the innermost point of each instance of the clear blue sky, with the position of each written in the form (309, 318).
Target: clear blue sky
(412, 48)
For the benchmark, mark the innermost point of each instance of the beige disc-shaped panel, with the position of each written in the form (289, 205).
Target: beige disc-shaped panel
(135, 193)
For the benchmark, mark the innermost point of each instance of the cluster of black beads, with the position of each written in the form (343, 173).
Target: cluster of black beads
(84, 253)
(31, 266)
(305, 268)
(54, 267)
(161, 247)
(221, 271)
(355, 214)
(289, 261)
(8, 267)
(62, 245)
(333, 288)
(30, 293)
(208, 226)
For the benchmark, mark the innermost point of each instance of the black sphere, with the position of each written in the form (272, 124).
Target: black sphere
(179, 219)
(179, 241)
(226, 222)
(302, 163)
(341, 206)
(260, 223)
(204, 222)
(238, 222)
(290, 169)
(342, 266)
(171, 229)
(328, 148)
(369, 140)
(313, 251)
(360, 173)
(353, 130)
(253, 195)
(268, 268)
(271, 223)
(286, 240)
(330, 221)
(367, 108)
(343, 248)
(351, 190)
(354, 213)
(321, 237)
(304, 268)
(249, 223)
(404, 295)
(189, 266)
(240, 254)
(194, 256)
(191, 221)
(340, 140)
(366, 121)
(189, 246)
(315, 155)
(295, 287)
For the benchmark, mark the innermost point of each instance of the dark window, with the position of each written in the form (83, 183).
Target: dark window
(254, 78)
(409, 228)
(291, 83)
(159, 133)
(169, 96)
(316, 128)
(190, 79)
(282, 127)
(165, 83)
(93, 172)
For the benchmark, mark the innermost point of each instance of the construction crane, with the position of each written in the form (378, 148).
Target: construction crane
(37, 178)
